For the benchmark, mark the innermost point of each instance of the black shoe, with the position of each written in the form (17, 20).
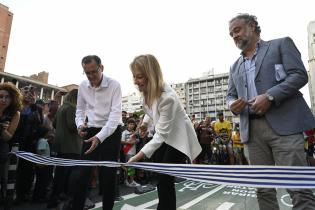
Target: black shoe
(19, 201)
(52, 204)
(39, 200)
(88, 204)
(119, 198)
(67, 205)
(63, 197)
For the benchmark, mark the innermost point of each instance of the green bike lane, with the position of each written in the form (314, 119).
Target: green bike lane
(195, 195)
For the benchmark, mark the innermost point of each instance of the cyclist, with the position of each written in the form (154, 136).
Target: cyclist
(223, 129)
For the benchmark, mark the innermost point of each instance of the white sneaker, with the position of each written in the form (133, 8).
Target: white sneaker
(128, 184)
(134, 184)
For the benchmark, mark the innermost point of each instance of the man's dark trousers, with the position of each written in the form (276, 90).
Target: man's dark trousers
(108, 150)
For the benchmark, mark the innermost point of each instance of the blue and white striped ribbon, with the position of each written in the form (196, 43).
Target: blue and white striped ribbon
(249, 176)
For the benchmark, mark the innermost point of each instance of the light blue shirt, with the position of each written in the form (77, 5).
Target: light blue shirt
(250, 67)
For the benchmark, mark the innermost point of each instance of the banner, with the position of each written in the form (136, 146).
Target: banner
(240, 175)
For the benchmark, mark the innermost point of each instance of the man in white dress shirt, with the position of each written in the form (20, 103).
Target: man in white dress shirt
(99, 101)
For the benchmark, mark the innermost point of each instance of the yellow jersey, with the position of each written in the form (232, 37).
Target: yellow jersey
(236, 138)
(223, 128)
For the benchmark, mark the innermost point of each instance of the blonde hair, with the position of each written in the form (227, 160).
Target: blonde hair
(150, 68)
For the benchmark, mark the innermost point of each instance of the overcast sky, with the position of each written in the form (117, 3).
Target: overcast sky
(188, 37)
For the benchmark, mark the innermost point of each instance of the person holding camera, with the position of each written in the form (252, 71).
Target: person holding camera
(10, 104)
(30, 120)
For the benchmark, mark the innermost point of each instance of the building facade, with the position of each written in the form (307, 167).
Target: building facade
(45, 91)
(311, 63)
(41, 76)
(5, 29)
(206, 96)
(132, 103)
(180, 89)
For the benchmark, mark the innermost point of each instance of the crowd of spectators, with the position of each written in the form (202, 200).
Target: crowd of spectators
(48, 128)
(209, 131)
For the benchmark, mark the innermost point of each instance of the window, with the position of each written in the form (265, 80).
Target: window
(210, 89)
(210, 83)
(218, 82)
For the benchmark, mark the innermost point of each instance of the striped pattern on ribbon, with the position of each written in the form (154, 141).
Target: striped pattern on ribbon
(249, 176)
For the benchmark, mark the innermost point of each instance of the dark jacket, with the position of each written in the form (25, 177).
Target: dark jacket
(67, 139)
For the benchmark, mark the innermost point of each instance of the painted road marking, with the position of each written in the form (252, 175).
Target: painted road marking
(225, 206)
(97, 205)
(140, 207)
(148, 204)
(129, 207)
(200, 198)
(125, 197)
(129, 196)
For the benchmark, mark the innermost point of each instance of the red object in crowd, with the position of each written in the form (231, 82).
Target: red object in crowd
(310, 135)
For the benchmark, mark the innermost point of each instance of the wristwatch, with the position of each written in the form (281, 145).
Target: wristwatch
(270, 97)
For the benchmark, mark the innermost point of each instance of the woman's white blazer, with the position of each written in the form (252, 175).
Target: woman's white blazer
(172, 125)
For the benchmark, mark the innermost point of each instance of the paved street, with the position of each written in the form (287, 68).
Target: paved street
(200, 196)
(191, 195)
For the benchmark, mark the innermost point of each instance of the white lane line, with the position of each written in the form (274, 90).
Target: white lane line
(225, 206)
(129, 207)
(125, 197)
(126, 206)
(200, 198)
(97, 205)
(131, 195)
(148, 204)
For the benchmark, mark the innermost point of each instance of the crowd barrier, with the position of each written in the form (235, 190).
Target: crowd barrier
(239, 175)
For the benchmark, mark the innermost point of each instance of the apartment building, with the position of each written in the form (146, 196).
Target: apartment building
(132, 103)
(202, 96)
(5, 30)
(206, 96)
(311, 62)
(180, 89)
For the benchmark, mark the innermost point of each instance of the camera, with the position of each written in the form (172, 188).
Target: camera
(29, 88)
(3, 120)
(84, 129)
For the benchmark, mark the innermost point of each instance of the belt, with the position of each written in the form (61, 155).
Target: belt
(255, 116)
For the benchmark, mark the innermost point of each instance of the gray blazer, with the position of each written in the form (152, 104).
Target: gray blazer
(281, 73)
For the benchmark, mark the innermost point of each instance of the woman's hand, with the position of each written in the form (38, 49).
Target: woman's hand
(139, 156)
(4, 130)
(5, 125)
